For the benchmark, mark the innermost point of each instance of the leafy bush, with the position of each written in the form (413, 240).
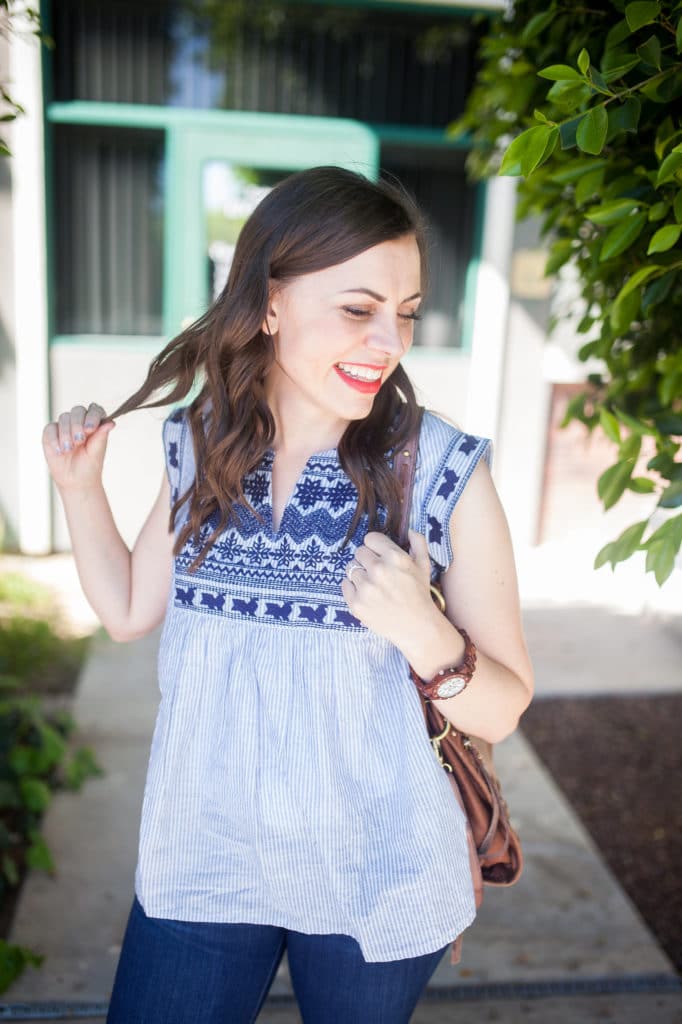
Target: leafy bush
(594, 92)
(35, 757)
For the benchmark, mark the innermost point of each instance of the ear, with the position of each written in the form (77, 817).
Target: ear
(270, 325)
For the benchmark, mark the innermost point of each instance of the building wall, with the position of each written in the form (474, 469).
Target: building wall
(8, 477)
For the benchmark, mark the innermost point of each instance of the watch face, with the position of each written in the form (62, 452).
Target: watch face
(450, 687)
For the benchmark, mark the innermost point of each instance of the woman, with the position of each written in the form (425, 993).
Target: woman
(293, 800)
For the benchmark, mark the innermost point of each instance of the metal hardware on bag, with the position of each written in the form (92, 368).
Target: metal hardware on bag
(438, 597)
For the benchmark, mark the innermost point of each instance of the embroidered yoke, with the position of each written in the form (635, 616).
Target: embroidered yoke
(284, 786)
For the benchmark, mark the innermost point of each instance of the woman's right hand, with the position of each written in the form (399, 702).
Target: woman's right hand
(75, 445)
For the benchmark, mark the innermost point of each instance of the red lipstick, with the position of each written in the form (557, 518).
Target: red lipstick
(366, 387)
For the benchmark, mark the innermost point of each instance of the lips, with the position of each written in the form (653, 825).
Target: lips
(359, 378)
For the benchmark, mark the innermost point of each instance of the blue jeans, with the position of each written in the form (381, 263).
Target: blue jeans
(177, 972)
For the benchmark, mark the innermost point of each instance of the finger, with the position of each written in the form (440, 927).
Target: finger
(77, 424)
(382, 545)
(367, 558)
(64, 428)
(419, 549)
(51, 438)
(93, 417)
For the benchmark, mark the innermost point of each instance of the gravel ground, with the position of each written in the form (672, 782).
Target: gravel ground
(619, 762)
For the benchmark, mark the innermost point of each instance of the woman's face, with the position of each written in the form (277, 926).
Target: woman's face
(339, 333)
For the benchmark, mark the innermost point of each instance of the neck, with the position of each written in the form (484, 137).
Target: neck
(301, 429)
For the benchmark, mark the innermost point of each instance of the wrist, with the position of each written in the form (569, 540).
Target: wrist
(439, 645)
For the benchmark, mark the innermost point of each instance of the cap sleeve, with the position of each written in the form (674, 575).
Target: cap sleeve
(446, 459)
(178, 456)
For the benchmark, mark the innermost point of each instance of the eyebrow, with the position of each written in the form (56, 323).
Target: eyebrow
(380, 298)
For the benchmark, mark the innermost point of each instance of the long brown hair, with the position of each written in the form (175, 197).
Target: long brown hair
(311, 220)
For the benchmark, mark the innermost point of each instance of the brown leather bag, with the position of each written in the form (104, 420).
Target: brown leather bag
(495, 849)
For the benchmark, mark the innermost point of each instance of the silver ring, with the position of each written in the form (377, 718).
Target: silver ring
(352, 566)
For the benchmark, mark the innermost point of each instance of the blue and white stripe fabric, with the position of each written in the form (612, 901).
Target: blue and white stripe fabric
(290, 781)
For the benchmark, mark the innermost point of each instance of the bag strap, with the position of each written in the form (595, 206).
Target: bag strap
(405, 467)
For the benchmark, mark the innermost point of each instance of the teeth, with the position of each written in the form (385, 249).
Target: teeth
(359, 372)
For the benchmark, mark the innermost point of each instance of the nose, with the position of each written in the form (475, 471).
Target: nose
(385, 339)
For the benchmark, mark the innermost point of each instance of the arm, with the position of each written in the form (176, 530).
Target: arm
(481, 593)
(127, 590)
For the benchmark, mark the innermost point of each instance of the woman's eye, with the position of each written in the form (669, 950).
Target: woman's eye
(411, 316)
(354, 311)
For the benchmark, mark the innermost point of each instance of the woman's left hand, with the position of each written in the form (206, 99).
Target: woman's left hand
(388, 590)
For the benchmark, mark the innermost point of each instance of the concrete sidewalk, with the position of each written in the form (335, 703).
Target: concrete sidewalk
(565, 945)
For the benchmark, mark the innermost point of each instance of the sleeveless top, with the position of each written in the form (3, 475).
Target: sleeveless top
(291, 781)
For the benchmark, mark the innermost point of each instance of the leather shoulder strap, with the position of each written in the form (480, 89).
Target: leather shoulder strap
(404, 467)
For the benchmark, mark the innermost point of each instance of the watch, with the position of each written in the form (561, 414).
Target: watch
(452, 680)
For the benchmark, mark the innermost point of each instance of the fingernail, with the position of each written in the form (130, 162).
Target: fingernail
(89, 424)
(58, 449)
(79, 437)
(66, 446)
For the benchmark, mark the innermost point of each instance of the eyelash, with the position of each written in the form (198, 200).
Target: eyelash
(353, 311)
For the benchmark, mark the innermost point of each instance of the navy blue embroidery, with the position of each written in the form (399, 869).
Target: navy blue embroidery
(215, 602)
(311, 614)
(279, 611)
(468, 444)
(244, 607)
(345, 618)
(173, 454)
(185, 596)
(309, 492)
(450, 479)
(177, 416)
(435, 531)
(256, 489)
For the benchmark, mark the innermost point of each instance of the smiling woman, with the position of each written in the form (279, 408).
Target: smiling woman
(276, 815)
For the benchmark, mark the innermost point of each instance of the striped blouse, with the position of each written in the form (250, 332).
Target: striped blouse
(281, 790)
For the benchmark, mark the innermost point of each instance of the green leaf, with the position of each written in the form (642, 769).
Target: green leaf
(574, 169)
(38, 854)
(569, 96)
(10, 870)
(591, 134)
(616, 35)
(613, 481)
(622, 236)
(671, 530)
(641, 485)
(588, 186)
(584, 61)
(636, 426)
(678, 36)
(559, 253)
(677, 207)
(659, 211)
(638, 278)
(650, 52)
(609, 425)
(669, 423)
(35, 794)
(657, 291)
(624, 117)
(13, 960)
(642, 12)
(630, 447)
(560, 73)
(623, 547)
(672, 496)
(665, 238)
(568, 131)
(536, 25)
(660, 559)
(669, 168)
(527, 150)
(611, 213)
(620, 69)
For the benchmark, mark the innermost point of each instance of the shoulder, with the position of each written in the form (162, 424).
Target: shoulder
(446, 461)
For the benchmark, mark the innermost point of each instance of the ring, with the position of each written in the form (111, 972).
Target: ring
(351, 569)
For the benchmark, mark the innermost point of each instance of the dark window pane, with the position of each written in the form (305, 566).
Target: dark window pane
(108, 230)
(437, 180)
(381, 66)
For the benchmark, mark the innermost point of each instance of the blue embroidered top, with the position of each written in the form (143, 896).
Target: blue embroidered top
(280, 789)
